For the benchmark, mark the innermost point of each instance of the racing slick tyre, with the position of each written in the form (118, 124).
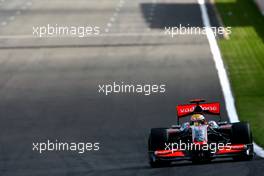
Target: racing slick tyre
(157, 139)
(241, 134)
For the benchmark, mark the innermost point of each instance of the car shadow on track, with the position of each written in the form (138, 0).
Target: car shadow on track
(161, 15)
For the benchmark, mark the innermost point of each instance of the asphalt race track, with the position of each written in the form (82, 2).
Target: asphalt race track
(49, 86)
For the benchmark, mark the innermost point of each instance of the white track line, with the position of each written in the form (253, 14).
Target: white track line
(224, 81)
(12, 18)
(114, 17)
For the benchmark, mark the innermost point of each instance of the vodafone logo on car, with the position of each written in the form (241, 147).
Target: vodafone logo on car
(183, 110)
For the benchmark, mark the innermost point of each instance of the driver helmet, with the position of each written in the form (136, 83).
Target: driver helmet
(197, 119)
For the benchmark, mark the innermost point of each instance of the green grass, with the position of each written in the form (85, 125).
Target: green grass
(243, 55)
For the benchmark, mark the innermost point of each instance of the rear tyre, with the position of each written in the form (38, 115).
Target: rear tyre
(157, 139)
(241, 134)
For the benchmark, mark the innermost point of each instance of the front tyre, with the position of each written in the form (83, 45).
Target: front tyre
(155, 163)
(157, 139)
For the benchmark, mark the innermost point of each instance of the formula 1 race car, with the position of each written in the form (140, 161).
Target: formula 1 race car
(199, 140)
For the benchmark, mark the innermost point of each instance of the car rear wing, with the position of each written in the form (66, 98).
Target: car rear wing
(197, 108)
